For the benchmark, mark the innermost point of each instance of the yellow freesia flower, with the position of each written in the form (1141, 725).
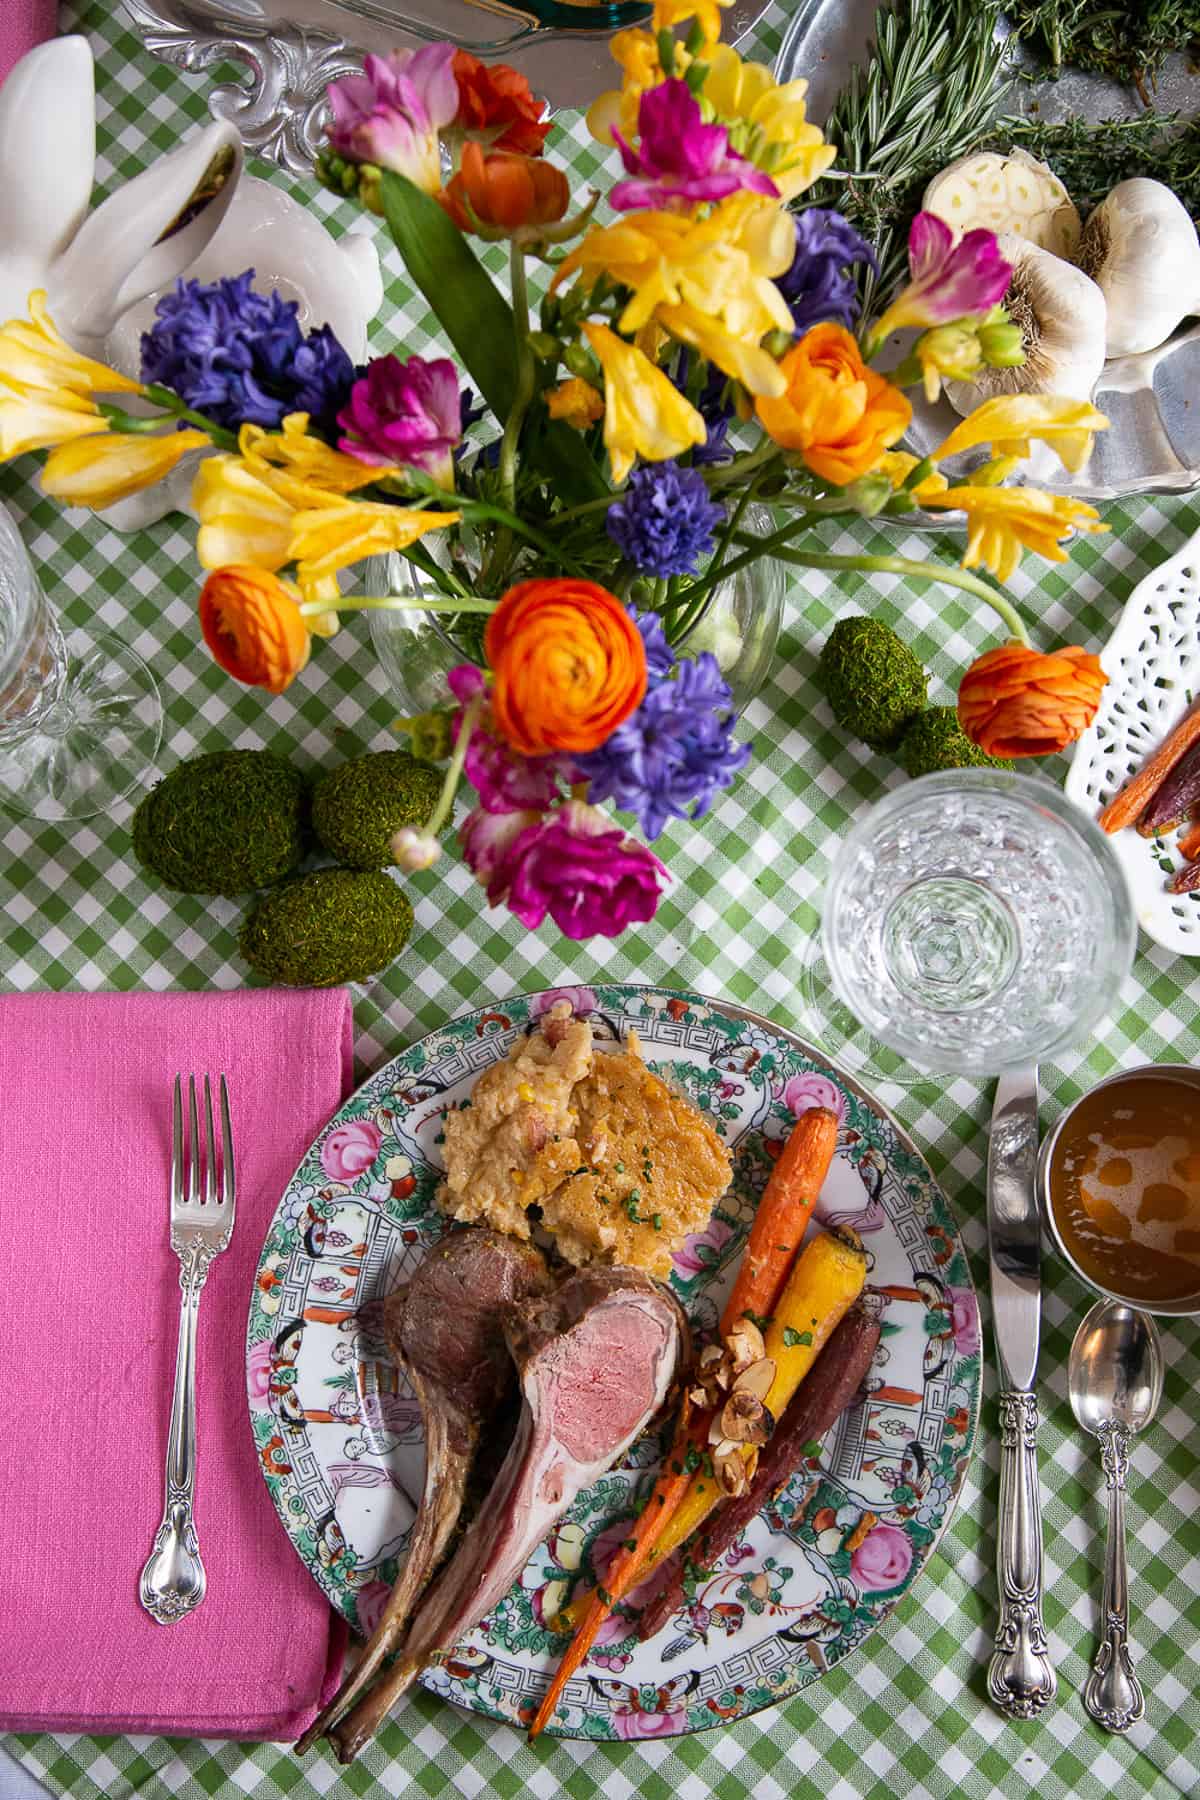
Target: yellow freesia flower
(576, 401)
(706, 281)
(100, 471)
(328, 538)
(898, 465)
(293, 448)
(35, 355)
(271, 518)
(1008, 421)
(767, 122)
(1002, 521)
(670, 13)
(644, 412)
(38, 419)
(637, 53)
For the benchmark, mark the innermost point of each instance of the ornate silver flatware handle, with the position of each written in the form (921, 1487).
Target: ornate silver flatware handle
(1113, 1694)
(1020, 1679)
(173, 1581)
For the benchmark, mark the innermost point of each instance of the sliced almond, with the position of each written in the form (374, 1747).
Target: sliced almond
(757, 1378)
(746, 1345)
(745, 1419)
(730, 1469)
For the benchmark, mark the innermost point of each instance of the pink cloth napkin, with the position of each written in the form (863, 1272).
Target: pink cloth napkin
(90, 1304)
(24, 23)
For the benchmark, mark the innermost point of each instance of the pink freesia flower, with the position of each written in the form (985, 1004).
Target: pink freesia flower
(803, 1092)
(680, 160)
(487, 839)
(350, 1149)
(574, 865)
(391, 114)
(703, 1249)
(405, 412)
(964, 1314)
(504, 781)
(949, 280)
(258, 1374)
(882, 1560)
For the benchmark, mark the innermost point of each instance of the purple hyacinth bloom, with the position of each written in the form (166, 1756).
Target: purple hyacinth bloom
(673, 753)
(408, 413)
(679, 159)
(820, 285)
(664, 521)
(660, 658)
(239, 356)
(391, 114)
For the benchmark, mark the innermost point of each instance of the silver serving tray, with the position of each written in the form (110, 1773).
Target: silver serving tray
(290, 50)
(1153, 441)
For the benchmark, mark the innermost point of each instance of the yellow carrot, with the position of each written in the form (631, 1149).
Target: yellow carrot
(829, 1276)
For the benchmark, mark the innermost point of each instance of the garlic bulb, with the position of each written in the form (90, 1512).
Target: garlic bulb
(1140, 247)
(1013, 193)
(1062, 317)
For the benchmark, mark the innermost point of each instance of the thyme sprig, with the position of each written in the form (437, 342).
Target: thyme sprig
(1127, 43)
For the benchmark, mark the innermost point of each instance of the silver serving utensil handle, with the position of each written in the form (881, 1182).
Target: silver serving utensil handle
(1021, 1680)
(1113, 1694)
(173, 1581)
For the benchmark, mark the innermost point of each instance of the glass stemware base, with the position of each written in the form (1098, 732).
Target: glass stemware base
(92, 738)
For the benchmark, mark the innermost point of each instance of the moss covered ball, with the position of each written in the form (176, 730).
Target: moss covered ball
(331, 926)
(935, 740)
(223, 823)
(358, 808)
(872, 680)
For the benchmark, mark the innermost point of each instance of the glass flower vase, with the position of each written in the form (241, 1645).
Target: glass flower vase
(738, 621)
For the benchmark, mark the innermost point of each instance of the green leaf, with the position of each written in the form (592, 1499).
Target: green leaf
(792, 1337)
(478, 321)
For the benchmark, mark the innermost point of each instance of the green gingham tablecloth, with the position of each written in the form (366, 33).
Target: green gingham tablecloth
(908, 1713)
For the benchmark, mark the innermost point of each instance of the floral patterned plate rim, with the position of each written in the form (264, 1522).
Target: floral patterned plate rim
(338, 1434)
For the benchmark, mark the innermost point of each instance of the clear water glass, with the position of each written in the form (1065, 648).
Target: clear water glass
(79, 729)
(976, 921)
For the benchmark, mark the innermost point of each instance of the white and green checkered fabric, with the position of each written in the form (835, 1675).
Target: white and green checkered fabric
(908, 1714)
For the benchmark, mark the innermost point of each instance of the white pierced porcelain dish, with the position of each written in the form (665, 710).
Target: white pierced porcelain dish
(1152, 661)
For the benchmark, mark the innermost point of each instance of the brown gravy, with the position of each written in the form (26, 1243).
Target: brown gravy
(1125, 1187)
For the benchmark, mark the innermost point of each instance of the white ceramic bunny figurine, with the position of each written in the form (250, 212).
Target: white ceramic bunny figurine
(193, 213)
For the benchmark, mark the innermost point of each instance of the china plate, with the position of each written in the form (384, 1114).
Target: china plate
(1153, 441)
(338, 1434)
(1152, 661)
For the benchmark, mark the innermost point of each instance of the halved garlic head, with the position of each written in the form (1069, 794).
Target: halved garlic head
(1013, 193)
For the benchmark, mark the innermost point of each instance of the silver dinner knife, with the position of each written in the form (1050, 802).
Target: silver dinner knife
(1020, 1679)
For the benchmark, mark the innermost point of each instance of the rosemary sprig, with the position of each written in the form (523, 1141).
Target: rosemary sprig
(1128, 43)
(927, 95)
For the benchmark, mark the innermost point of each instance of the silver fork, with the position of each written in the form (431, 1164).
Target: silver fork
(173, 1580)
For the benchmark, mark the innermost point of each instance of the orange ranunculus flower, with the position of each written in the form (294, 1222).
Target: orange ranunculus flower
(569, 665)
(1018, 702)
(253, 625)
(497, 102)
(839, 414)
(504, 191)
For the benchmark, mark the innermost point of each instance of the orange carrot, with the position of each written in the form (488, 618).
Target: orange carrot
(627, 1566)
(782, 1215)
(1189, 842)
(1141, 788)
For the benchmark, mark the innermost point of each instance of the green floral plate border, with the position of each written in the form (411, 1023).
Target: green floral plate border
(338, 1434)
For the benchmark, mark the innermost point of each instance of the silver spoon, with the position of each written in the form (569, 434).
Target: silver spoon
(1115, 1377)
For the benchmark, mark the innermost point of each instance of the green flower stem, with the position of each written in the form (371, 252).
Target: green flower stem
(454, 769)
(161, 396)
(395, 603)
(483, 509)
(443, 578)
(526, 376)
(749, 464)
(588, 506)
(949, 573)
